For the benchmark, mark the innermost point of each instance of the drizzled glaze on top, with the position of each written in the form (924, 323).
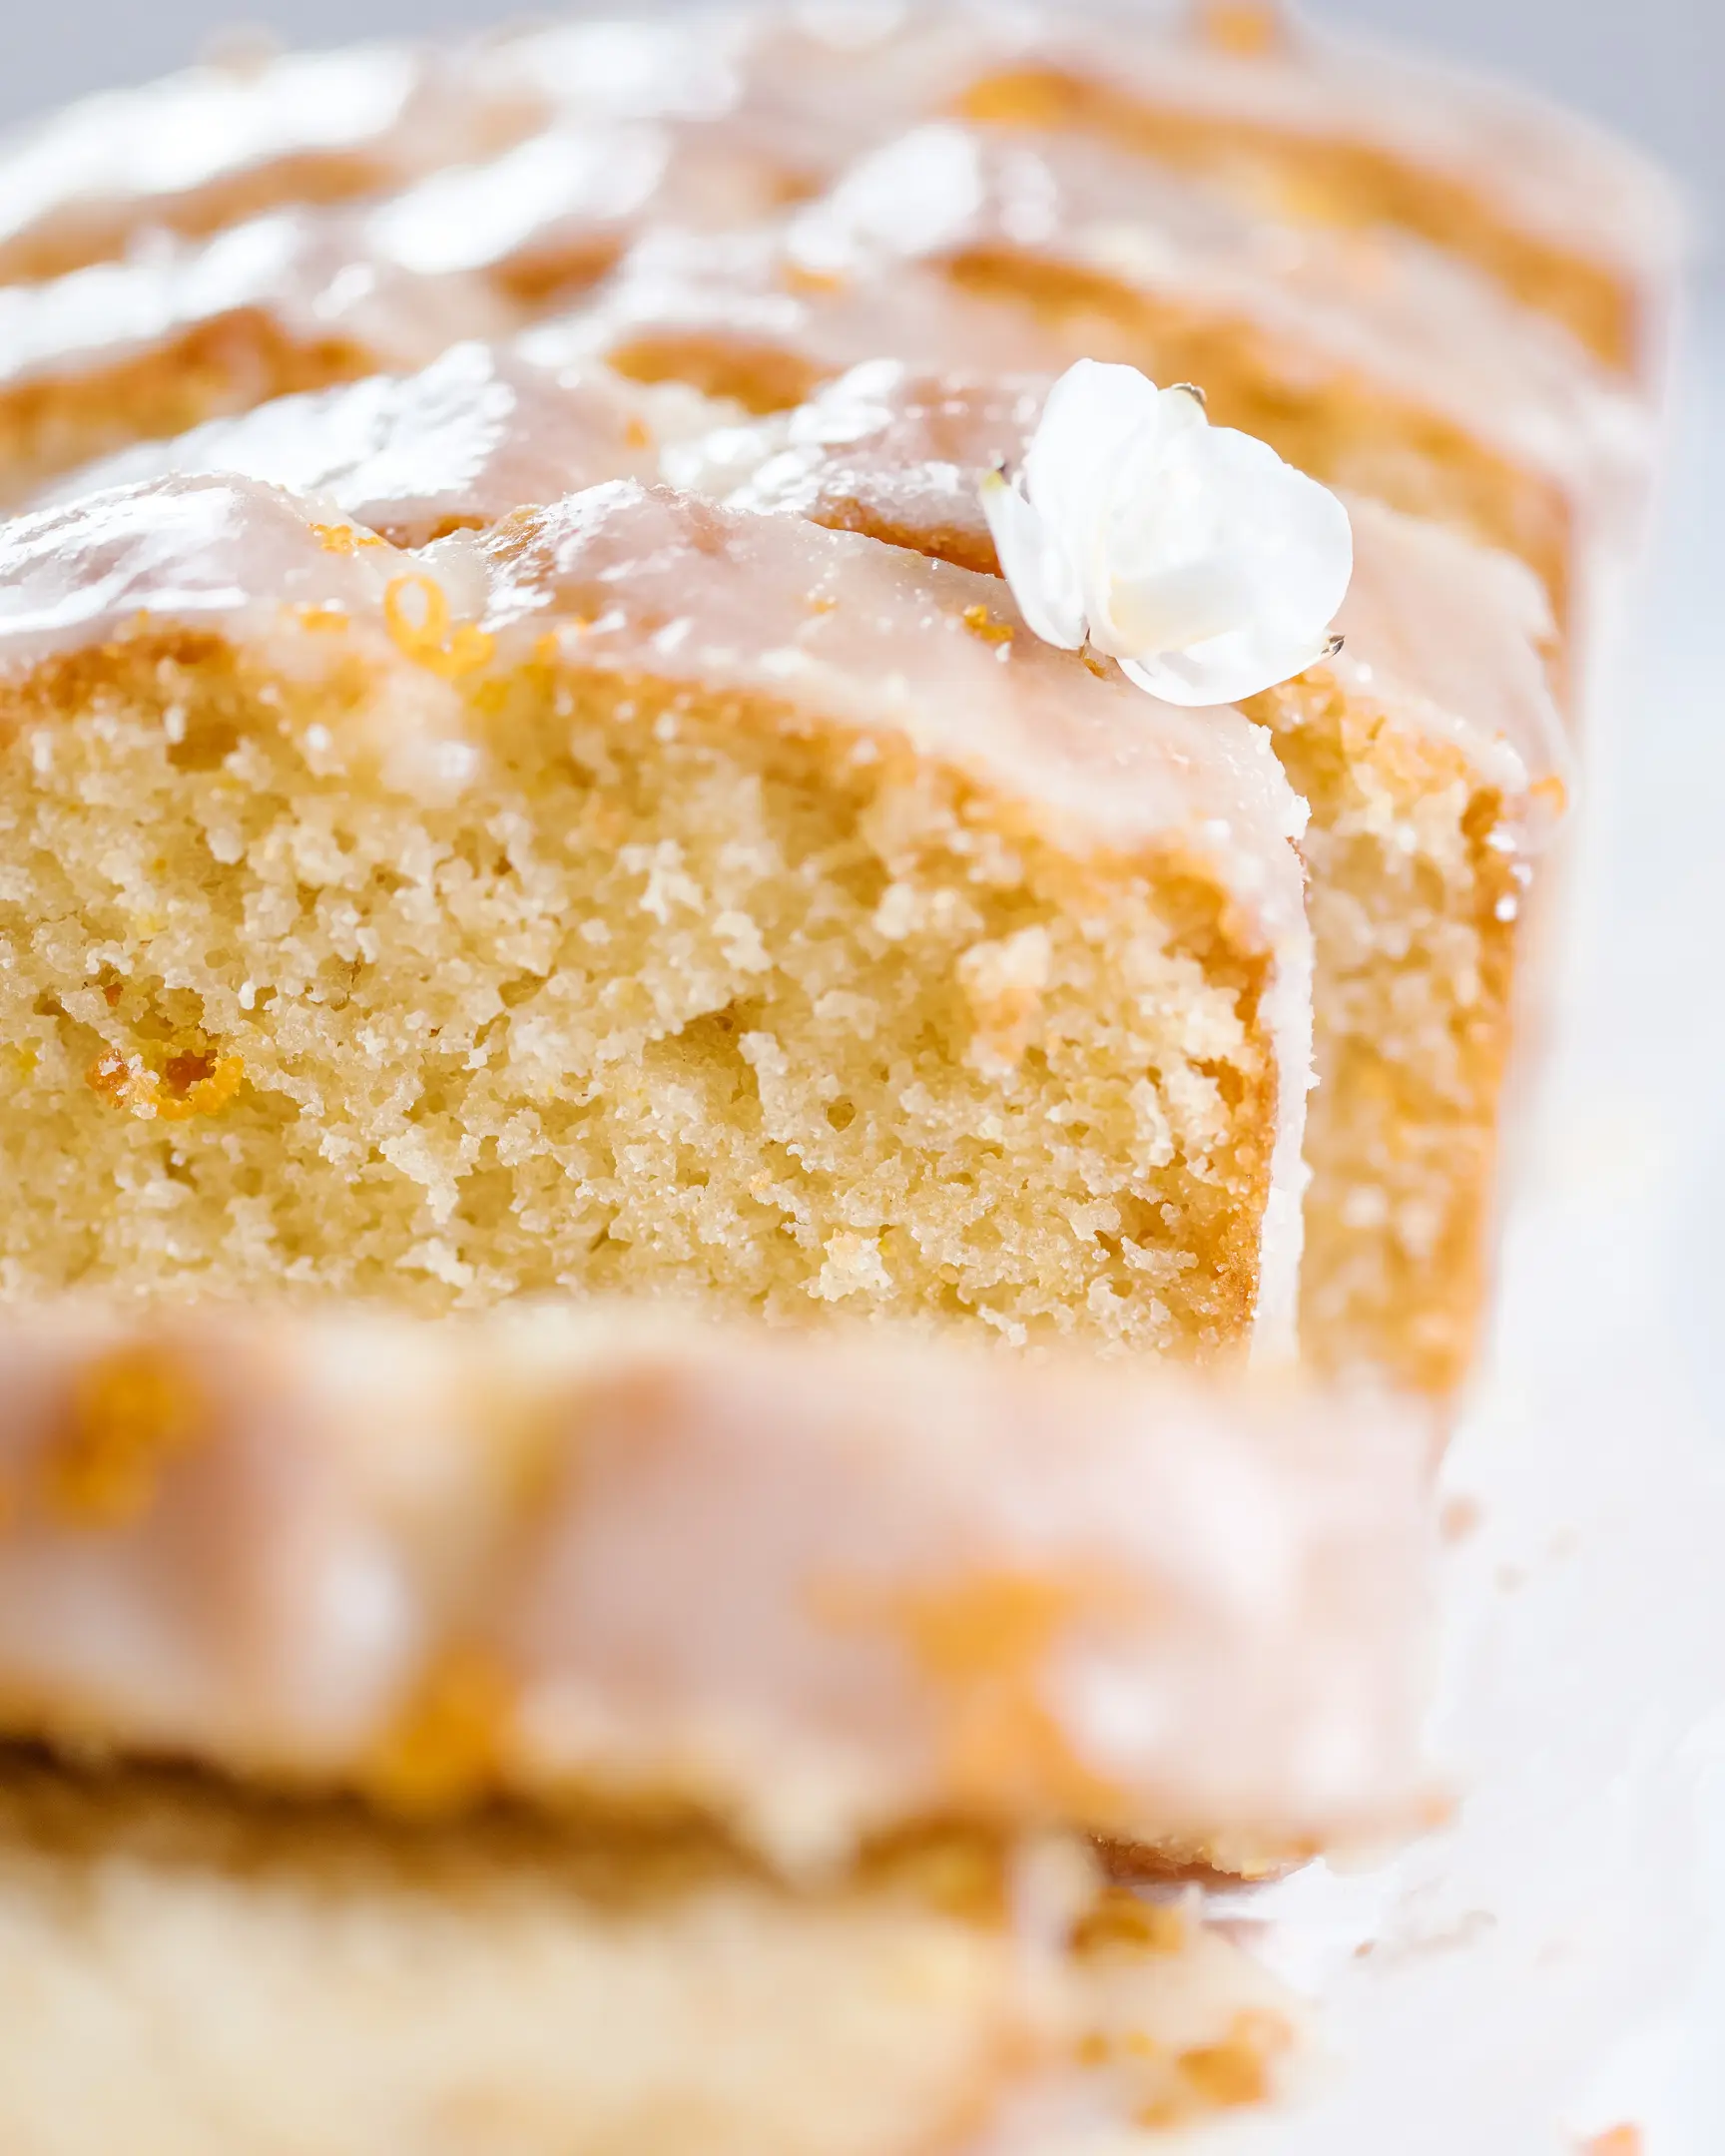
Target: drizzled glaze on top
(478, 433)
(818, 85)
(1449, 634)
(1389, 309)
(214, 145)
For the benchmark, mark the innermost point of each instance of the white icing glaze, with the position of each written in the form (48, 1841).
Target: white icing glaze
(85, 180)
(314, 275)
(739, 293)
(478, 433)
(1544, 172)
(787, 1580)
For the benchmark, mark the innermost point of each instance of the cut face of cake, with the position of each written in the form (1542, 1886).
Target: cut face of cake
(816, 1591)
(641, 897)
(192, 1971)
(1431, 754)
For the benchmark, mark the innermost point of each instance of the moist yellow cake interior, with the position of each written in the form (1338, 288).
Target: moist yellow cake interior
(1414, 909)
(680, 996)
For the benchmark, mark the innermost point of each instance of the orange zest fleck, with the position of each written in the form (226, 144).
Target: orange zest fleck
(1236, 2072)
(191, 1083)
(1244, 29)
(132, 1413)
(638, 434)
(806, 277)
(1619, 2141)
(442, 1754)
(1551, 793)
(1028, 97)
(322, 617)
(344, 538)
(424, 633)
(981, 623)
(1131, 1922)
(984, 1644)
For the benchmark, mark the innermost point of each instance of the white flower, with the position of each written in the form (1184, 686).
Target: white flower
(1190, 553)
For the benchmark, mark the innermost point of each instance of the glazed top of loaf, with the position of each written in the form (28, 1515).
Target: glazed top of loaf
(1387, 307)
(477, 433)
(1445, 633)
(1449, 634)
(666, 586)
(182, 151)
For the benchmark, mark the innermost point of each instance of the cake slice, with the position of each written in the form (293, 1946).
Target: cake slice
(1371, 367)
(184, 331)
(641, 897)
(1431, 756)
(187, 1971)
(214, 145)
(1314, 125)
(819, 1592)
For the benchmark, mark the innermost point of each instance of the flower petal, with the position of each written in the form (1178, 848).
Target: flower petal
(1041, 574)
(1093, 412)
(1226, 670)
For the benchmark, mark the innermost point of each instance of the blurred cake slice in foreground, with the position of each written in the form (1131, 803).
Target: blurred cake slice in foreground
(187, 1971)
(815, 1590)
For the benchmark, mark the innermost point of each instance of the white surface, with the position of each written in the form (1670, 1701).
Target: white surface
(1554, 1966)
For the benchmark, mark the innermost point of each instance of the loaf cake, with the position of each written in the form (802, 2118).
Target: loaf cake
(639, 897)
(1303, 124)
(679, 992)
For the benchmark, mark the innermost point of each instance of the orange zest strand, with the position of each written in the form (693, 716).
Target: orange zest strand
(344, 538)
(134, 1412)
(429, 639)
(190, 1085)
